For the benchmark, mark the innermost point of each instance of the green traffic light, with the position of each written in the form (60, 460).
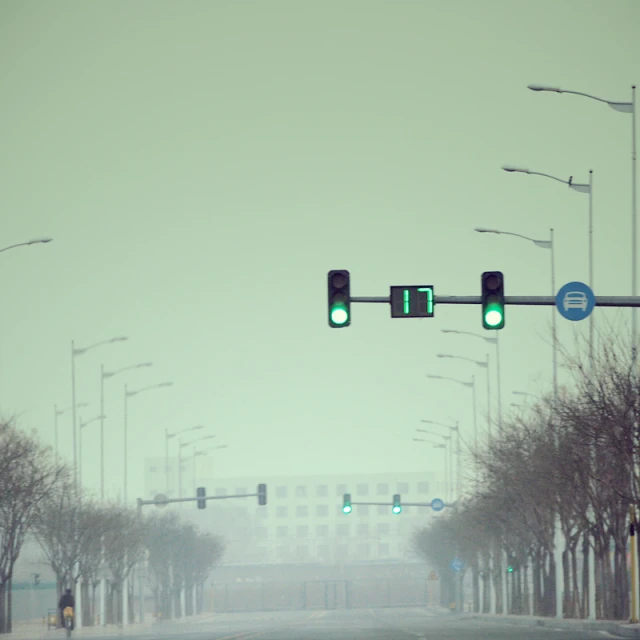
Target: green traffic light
(510, 569)
(493, 315)
(339, 314)
(346, 508)
(396, 509)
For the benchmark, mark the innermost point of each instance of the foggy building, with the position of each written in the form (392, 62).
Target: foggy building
(303, 520)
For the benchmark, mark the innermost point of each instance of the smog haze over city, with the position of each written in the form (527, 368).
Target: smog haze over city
(196, 169)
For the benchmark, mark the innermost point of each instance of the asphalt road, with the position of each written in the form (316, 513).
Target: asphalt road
(379, 624)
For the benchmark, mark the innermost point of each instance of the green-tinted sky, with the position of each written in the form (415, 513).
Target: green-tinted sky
(202, 165)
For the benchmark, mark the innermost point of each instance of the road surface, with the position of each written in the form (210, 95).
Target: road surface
(378, 624)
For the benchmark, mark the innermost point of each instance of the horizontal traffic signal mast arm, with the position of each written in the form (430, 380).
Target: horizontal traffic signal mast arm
(195, 499)
(404, 504)
(526, 301)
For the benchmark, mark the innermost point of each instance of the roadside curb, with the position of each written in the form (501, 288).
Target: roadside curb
(615, 628)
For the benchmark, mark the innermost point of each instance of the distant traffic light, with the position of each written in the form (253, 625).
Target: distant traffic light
(262, 494)
(510, 569)
(201, 492)
(397, 506)
(339, 298)
(346, 503)
(492, 300)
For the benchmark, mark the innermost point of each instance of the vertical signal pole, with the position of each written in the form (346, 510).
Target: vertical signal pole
(634, 575)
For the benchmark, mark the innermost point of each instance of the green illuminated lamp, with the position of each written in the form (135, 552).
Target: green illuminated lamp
(493, 315)
(339, 314)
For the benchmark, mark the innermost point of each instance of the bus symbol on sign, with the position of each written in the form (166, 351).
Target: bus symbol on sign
(412, 301)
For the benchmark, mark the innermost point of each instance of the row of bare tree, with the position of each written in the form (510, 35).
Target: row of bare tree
(570, 463)
(85, 542)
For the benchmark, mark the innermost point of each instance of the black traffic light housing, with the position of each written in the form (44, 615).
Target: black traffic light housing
(201, 493)
(346, 503)
(492, 300)
(339, 308)
(397, 504)
(262, 494)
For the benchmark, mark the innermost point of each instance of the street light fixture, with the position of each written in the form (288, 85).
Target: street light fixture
(581, 188)
(448, 461)
(623, 107)
(543, 244)
(129, 394)
(104, 375)
(454, 429)
(74, 353)
(167, 437)
(204, 452)
(523, 393)
(471, 385)
(56, 414)
(84, 424)
(497, 344)
(27, 243)
(181, 445)
(484, 365)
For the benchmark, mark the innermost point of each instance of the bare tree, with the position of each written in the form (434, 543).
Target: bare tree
(29, 478)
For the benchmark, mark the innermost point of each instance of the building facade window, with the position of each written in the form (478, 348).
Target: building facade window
(423, 487)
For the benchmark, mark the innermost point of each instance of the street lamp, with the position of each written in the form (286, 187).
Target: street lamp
(180, 446)
(484, 365)
(204, 452)
(543, 244)
(437, 445)
(78, 352)
(453, 428)
(56, 414)
(448, 462)
(28, 242)
(581, 188)
(103, 376)
(523, 393)
(82, 426)
(490, 341)
(167, 437)
(471, 385)
(129, 394)
(623, 107)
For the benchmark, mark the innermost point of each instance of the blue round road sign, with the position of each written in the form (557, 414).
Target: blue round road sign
(437, 504)
(575, 301)
(457, 565)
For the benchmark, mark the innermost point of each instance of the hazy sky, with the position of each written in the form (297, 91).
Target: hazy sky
(202, 165)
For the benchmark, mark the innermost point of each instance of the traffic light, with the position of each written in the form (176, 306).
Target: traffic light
(262, 494)
(397, 507)
(510, 569)
(339, 299)
(346, 503)
(201, 492)
(492, 300)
